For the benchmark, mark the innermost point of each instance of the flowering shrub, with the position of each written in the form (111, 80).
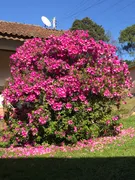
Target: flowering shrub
(91, 145)
(61, 89)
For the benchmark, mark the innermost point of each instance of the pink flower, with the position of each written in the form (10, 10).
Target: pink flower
(24, 133)
(75, 129)
(86, 102)
(57, 106)
(107, 93)
(61, 92)
(118, 129)
(82, 97)
(70, 122)
(108, 122)
(89, 109)
(43, 120)
(1, 117)
(115, 118)
(34, 131)
(76, 109)
(68, 105)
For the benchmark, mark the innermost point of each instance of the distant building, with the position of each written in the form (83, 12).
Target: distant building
(132, 74)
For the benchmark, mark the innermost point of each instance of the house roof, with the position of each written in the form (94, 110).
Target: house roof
(18, 31)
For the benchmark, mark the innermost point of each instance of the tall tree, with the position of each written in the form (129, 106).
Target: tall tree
(127, 39)
(96, 31)
(114, 42)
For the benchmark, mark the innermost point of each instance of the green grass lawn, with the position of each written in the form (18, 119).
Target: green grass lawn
(126, 109)
(113, 163)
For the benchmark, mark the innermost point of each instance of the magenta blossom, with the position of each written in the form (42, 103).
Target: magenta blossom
(70, 122)
(108, 122)
(68, 105)
(89, 109)
(43, 120)
(115, 118)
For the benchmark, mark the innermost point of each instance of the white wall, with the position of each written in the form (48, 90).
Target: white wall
(4, 65)
(7, 47)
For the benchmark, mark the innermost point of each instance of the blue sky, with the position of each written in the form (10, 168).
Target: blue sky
(113, 15)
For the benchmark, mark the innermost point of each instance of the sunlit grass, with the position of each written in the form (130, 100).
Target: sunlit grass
(127, 109)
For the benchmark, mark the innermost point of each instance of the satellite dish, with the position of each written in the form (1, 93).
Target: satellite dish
(54, 23)
(46, 21)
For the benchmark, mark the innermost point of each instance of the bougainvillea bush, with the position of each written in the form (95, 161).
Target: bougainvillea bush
(62, 88)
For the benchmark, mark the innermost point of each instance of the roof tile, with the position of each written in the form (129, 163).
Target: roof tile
(18, 31)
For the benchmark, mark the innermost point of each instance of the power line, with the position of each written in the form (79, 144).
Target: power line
(125, 21)
(113, 5)
(81, 4)
(98, 3)
(93, 5)
(126, 6)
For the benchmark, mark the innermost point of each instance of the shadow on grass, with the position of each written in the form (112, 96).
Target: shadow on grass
(121, 168)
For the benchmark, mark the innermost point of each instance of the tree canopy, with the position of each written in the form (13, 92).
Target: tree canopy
(96, 31)
(127, 39)
(129, 62)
